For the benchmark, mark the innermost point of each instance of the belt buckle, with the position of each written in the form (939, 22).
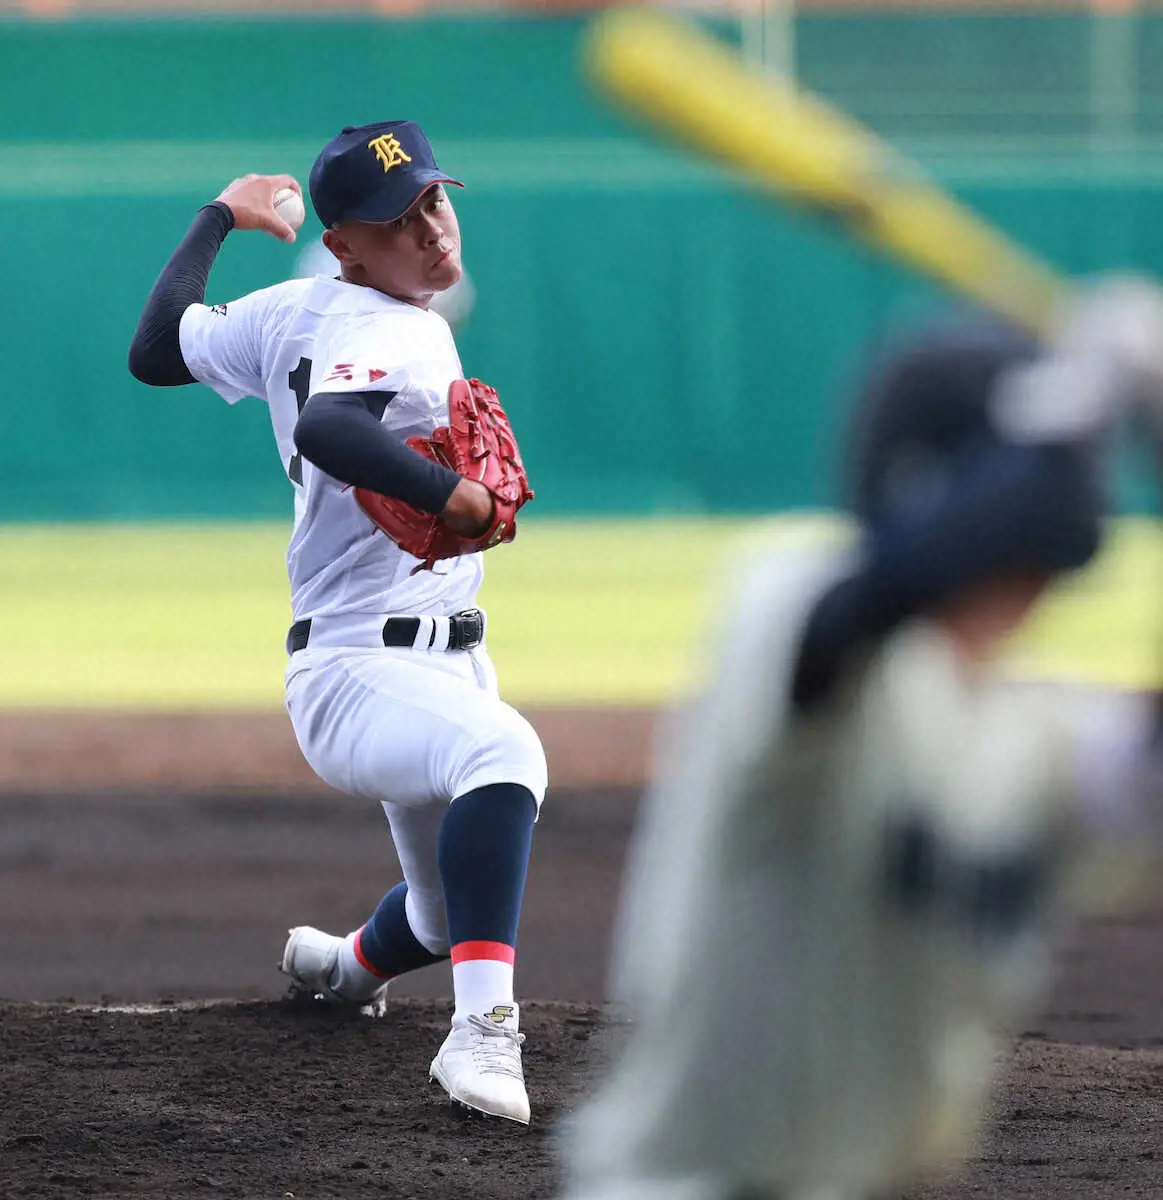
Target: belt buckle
(467, 629)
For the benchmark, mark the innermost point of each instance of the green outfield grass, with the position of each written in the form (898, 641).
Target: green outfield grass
(581, 612)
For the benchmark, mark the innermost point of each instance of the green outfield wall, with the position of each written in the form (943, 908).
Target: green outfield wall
(663, 341)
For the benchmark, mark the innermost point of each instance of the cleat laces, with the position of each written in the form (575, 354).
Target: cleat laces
(495, 1049)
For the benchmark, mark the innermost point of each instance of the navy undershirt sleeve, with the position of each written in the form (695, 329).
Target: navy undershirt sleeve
(341, 433)
(155, 354)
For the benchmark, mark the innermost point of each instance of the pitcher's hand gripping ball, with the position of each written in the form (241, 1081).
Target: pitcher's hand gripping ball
(289, 205)
(477, 443)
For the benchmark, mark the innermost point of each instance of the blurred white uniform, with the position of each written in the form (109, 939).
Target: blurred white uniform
(410, 727)
(826, 918)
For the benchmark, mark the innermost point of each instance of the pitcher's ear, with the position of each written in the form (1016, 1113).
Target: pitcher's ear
(338, 245)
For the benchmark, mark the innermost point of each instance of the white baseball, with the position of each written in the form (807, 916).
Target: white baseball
(289, 205)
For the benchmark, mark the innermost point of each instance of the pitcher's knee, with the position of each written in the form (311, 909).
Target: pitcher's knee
(509, 752)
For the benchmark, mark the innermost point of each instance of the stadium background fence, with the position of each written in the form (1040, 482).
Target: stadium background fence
(664, 341)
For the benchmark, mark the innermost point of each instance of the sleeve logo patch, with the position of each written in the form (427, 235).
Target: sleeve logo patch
(219, 310)
(340, 371)
(374, 374)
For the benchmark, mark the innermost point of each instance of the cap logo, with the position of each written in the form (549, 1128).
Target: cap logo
(389, 151)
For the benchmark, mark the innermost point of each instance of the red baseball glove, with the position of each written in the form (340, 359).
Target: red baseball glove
(477, 443)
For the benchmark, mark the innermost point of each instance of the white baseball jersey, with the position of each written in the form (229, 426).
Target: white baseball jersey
(825, 919)
(282, 344)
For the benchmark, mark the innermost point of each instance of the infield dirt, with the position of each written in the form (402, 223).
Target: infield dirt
(159, 860)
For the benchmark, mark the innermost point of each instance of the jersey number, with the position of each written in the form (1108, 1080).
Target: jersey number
(299, 381)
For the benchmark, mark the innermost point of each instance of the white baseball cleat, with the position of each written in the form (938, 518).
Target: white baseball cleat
(479, 1065)
(309, 959)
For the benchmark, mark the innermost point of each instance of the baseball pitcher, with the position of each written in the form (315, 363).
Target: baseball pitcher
(404, 472)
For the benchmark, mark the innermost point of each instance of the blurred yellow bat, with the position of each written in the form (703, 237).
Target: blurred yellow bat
(799, 148)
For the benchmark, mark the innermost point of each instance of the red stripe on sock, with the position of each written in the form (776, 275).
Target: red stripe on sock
(363, 962)
(497, 951)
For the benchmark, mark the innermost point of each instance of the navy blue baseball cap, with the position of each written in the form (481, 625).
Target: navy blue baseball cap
(373, 173)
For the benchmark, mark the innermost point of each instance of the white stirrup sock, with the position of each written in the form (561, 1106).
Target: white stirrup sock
(479, 984)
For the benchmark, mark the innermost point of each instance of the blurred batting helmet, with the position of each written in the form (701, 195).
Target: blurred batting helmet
(940, 487)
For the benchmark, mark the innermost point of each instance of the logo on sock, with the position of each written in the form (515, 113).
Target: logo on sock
(500, 1013)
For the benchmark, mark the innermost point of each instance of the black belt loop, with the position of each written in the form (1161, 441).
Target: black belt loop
(298, 635)
(401, 631)
(465, 630)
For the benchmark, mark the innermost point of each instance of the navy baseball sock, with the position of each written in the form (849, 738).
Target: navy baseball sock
(386, 945)
(483, 853)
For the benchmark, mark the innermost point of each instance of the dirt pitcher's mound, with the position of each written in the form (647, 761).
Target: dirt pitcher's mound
(282, 1099)
(269, 1099)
